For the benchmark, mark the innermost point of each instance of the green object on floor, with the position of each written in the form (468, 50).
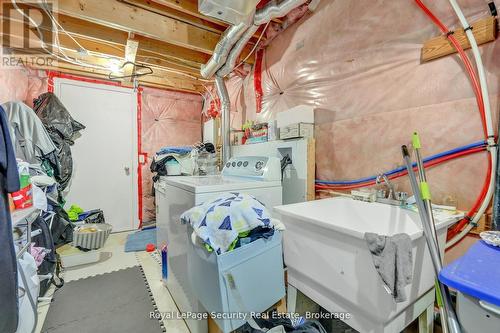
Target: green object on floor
(242, 234)
(73, 212)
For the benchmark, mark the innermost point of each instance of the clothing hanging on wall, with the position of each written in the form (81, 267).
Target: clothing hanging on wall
(9, 182)
(32, 141)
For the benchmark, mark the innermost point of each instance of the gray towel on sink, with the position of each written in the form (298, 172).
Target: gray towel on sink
(393, 259)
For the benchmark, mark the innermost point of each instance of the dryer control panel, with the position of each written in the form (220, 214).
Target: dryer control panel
(256, 167)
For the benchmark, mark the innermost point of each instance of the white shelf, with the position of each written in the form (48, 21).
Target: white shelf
(18, 216)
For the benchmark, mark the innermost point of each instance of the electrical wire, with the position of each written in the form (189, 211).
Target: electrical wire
(44, 44)
(254, 47)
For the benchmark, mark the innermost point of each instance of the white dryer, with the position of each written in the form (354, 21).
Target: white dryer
(258, 176)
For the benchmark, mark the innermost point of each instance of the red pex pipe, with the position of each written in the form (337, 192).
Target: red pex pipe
(403, 173)
(477, 91)
(465, 59)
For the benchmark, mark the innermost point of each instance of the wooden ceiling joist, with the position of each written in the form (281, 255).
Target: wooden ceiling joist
(170, 36)
(193, 18)
(191, 7)
(130, 57)
(79, 26)
(125, 17)
(200, 22)
(158, 79)
(105, 34)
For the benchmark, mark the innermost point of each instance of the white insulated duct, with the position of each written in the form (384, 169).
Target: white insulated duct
(221, 89)
(240, 34)
(224, 45)
(274, 10)
(225, 54)
(236, 51)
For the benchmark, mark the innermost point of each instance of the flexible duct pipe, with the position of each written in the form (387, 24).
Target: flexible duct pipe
(273, 10)
(220, 86)
(488, 118)
(236, 51)
(231, 35)
(224, 45)
(262, 16)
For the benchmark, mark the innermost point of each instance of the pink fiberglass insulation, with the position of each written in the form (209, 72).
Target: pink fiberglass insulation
(169, 118)
(360, 60)
(22, 84)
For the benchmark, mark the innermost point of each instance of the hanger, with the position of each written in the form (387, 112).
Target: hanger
(135, 72)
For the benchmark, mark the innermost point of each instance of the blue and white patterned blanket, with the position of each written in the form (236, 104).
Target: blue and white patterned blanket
(219, 221)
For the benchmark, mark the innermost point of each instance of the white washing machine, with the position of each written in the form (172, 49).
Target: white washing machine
(258, 176)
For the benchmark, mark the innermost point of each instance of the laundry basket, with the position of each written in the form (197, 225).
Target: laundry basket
(247, 279)
(91, 236)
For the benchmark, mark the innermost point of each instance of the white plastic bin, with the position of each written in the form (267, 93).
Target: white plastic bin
(257, 271)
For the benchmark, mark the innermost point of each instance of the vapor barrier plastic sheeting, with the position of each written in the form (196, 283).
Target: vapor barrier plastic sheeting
(360, 61)
(22, 84)
(169, 118)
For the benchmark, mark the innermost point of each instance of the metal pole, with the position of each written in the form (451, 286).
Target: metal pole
(450, 319)
(424, 187)
(223, 95)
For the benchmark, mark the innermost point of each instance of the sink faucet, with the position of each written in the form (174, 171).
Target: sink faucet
(393, 198)
(383, 178)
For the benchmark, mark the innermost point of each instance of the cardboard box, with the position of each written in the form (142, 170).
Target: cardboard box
(299, 130)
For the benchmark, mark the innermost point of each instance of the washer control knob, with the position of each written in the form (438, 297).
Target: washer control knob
(245, 164)
(228, 164)
(259, 165)
(239, 163)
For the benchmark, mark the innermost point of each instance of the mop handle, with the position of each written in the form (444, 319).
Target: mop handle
(450, 321)
(424, 188)
(431, 242)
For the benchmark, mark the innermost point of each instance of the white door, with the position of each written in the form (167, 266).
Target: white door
(105, 156)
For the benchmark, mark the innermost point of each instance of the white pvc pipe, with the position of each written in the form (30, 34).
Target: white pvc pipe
(479, 64)
(488, 118)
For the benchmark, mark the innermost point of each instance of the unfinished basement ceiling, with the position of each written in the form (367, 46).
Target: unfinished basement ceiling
(170, 36)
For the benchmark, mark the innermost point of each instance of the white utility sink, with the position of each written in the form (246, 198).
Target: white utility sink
(328, 259)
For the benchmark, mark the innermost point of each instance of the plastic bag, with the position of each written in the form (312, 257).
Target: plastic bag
(93, 216)
(56, 117)
(64, 156)
(39, 198)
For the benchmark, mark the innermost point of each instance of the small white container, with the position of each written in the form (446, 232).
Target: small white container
(80, 259)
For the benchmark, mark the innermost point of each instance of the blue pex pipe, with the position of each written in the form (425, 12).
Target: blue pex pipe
(402, 168)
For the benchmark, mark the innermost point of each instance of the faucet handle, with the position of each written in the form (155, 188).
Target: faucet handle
(401, 196)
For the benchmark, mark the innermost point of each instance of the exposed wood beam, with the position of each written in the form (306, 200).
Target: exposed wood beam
(117, 51)
(105, 35)
(484, 31)
(157, 8)
(193, 18)
(99, 32)
(191, 7)
(125, 17)
(130, 55)
(158, 79)
(148, 53)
